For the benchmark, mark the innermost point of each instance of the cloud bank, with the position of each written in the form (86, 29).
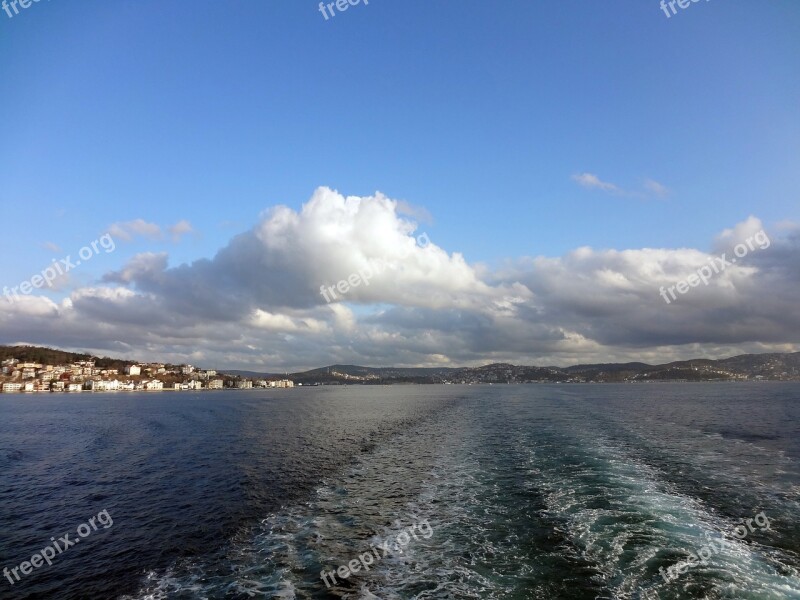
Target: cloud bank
(257, 305)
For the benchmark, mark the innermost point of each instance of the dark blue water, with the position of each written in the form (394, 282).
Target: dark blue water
(572, 491)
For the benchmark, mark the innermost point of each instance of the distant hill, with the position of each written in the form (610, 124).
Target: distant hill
(49, 356)
(770, 367)
(785, 367)
(632, 366)
(250, 374)
(357, 374)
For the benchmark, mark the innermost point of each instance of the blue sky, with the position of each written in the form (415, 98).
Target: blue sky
(480, 113)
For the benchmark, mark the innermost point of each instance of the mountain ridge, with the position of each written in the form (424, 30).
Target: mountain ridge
(771, 366)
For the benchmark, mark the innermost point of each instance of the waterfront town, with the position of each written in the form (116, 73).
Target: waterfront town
(85, 375)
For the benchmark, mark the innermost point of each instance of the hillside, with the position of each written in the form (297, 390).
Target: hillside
(746, 367)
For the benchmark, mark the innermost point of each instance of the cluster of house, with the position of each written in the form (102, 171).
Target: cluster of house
(84, 375)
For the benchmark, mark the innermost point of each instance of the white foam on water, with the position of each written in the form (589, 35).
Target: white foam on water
(643, 520)
(282, 556)
(616, 514)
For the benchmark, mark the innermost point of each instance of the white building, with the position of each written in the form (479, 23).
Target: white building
(282, 383)
(12, 387)
(215, 384)
(74, 387)
(244, 384)
(154, 385)
(99, 385)
(133, 370)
